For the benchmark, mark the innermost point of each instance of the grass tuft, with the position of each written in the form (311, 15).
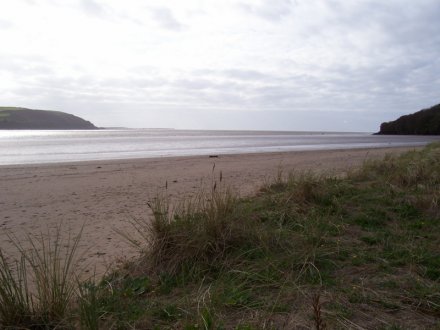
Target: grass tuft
(16, 306)
(38, 290)
(198, 232)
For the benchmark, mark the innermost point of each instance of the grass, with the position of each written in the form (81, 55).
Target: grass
(5, 112)
(313, 251)
(15, 301)
(4, 115)
(38, 290)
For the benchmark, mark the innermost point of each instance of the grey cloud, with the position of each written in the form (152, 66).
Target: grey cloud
(25, 65)
(288, 105)
(165, 18)
(395, 25)
(398, 73)
(203, 84)
(235, 74)
(146, 83)
(360, 90)
(245, 74)
(63, 89)
(399, 67)
(93, 7)
(255, 89)
(4, 24)
(106, 11)
(272, 10)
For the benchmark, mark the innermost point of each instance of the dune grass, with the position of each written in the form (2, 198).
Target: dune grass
(308, 250)
(38, 290)
(15, 302)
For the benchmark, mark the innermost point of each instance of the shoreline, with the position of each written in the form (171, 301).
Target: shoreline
(105, 195)
(114, 161)
(42, 149)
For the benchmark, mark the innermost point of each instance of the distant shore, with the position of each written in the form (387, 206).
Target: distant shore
(105, 195)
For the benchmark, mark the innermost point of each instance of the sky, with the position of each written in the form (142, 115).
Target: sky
(308, 65)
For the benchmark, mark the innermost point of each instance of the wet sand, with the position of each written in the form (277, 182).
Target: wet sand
(104, 196)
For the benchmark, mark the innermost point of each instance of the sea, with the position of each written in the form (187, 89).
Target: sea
(61, 146)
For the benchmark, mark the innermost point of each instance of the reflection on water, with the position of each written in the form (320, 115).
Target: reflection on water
(41, 146)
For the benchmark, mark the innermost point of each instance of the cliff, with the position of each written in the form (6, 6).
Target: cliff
(423, 122)
(22, 118)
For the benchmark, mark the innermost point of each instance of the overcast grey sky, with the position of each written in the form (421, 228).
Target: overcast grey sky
(335, 65)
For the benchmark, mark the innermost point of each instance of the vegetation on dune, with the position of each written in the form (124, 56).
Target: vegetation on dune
(36, 292)
(312, 251)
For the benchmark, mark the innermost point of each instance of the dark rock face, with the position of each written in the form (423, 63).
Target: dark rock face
(21, 118)
(423, 122)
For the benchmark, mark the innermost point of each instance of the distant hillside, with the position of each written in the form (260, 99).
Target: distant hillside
(22, 118)
(423, 122)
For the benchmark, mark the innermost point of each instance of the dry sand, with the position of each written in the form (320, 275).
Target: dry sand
(105, 195)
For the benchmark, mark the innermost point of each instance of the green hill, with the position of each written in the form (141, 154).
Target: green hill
(423, 122)
(22, 118)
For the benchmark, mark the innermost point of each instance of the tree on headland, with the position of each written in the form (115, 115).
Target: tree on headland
(423, 122)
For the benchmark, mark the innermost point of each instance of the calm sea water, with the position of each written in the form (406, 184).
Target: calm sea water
(31, 147)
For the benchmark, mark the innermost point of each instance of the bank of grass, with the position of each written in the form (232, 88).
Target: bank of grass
(311, 251)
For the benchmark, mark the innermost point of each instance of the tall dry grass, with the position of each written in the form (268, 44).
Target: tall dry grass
(195, 231)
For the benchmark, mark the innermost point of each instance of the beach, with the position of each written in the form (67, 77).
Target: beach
(104, 196)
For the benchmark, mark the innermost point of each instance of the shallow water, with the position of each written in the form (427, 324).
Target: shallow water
(44, 146)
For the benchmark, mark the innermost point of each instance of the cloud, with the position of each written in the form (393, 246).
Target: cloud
(245, 74)
(165, 18)
(261, 59)
(272, 10)
(93, 7)
(29, 66)
(5, 24)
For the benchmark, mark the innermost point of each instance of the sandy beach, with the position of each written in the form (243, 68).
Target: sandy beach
(104, 196)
